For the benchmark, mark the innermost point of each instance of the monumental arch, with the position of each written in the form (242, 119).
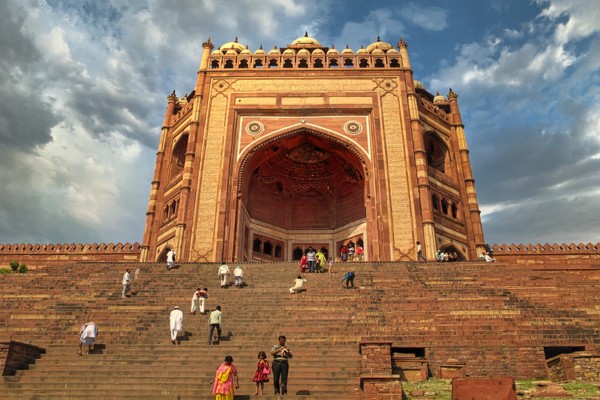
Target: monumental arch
(305, 145)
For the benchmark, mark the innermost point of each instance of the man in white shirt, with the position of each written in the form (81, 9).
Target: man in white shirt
(170, 258)
(176, 323)
(223, 274)
(214, 322)
(298, 285)
(238, 273)
(126, 283)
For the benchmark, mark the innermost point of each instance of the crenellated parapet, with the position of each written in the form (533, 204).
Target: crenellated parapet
(550, 249)
(40, 255)
(563, 255)
(28, 248)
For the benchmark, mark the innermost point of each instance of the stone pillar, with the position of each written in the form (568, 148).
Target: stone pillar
(206, 49)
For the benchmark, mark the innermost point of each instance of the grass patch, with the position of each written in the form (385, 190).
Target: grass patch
(5, 271)
(433, 389)
(582, 390)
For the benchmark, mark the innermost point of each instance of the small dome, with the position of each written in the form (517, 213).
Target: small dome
(246, 51)
(289, 52)
(419, 85)
(392, 51)
(439, 98)
(303, 52)
(379, 45)
(231, 52)
(232, 46)
(362, 50)
(274, 50)
(333, 51)
(305, 42)
(377, 52)
(217, 52)
(347, 50)
(260, 52)
(318, 52)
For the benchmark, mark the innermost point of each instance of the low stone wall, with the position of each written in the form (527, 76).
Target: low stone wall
(549, 255)
(16, 355)
(578, 366)
(41, 255)
(376, 379)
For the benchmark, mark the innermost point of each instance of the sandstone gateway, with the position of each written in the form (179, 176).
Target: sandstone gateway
(276, 150)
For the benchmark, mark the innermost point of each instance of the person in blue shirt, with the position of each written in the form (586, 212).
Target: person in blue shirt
(349, 278)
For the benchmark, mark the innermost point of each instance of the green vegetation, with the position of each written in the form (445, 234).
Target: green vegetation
(441, 389)
(14, 267)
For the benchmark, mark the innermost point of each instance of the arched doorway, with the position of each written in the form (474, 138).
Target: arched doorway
(303, 188)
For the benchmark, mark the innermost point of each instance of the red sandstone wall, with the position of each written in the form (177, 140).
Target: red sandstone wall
(40, 255)
(564, 255)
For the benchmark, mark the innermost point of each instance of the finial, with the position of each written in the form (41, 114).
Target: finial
(402, 43)
(305, 33)
(172, 96)
(347, 46)
(452, 95)
(261, 47)
(378, 38)
(235, 40)
(208, 44)
(333, 46)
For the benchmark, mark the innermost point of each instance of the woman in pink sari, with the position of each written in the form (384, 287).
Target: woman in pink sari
(223, 382)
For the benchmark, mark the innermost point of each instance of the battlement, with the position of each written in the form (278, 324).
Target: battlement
(39, 255)
(573, 254)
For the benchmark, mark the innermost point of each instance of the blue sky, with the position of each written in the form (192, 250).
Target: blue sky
(83, 88)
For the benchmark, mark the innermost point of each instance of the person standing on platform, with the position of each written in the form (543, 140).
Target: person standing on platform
(223, 385)
(238, 274)
(281, 354)
(420, 253)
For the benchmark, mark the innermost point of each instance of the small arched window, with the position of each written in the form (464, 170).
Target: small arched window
(273, 63)
(438, 156)
(243, 64)
(256, 245)
(379, 63)
(454, 209)
(363, 63)
(258, 64)
(297, 254)
(435, 201)
(444, 207)
(348, 63)
(228, 64)
(178, 157)
(267, 248)
(394, 63)
(303, 63)
(288, 63)
(278, 251)
(214, 64)
(333, 63)
(318, 63)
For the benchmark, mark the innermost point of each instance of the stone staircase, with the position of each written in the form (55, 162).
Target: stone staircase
(493, 319)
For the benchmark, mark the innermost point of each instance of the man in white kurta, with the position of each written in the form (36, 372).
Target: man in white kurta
(238, 273)
(126, 283)
(170, 258)
(176, 321)
(223, 274)
(87, 336)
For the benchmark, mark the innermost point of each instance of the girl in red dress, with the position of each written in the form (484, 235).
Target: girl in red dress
(263, 369)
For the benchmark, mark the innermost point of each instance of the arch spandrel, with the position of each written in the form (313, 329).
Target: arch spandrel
(359, 142)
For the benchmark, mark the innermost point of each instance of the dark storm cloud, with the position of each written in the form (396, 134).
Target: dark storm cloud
(25, 119)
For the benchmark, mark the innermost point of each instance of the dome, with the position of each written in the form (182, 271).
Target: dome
(318, 52)
(231, 52)
(305, 42)
(232, 46)
(379, 45)
(217, 52)
(246, 51)
(333, 51)
(275, 50)
(362, 50)
(289, 52)
(377, 52)
(419, 85)
(392, 51)
(347, 50)
(260, 52)
(303, 52)
(439, 98)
